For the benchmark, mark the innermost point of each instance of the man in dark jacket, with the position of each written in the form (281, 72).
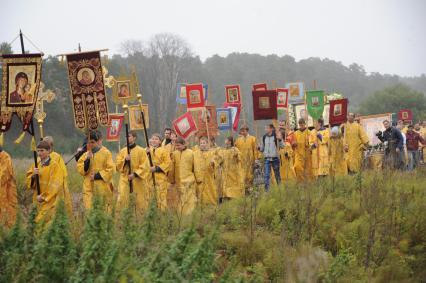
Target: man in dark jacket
(394, 146)
(413, 139)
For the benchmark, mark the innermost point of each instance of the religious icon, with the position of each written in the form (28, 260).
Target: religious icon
(223, 118)
(315, 101)
(135, 115)
(22, 85)
(85, 76)
(264, 103)
(113, 130)
(194, 96)
(337, 111)
(184, 126)
(123, 89)
(182, 93)
(404, 115)
(302, 113)
(233, 95)
(294, 90)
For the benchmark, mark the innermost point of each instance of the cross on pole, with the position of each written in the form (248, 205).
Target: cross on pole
(40, 115)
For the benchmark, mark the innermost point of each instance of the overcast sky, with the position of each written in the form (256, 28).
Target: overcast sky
(386, 36)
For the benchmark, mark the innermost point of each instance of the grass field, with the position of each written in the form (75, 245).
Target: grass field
(369, 227)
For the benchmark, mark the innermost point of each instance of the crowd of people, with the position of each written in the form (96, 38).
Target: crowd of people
(181, 177)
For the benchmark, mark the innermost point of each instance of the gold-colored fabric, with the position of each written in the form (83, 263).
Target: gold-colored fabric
(338, 165)
(103, 164)
(160, 158)
(302, 156)
(320, 163)
(51, 181)
(140, 169)
(8, 194)
(205, 163)
(248, 148)
(67, 195)
(286, 163)
(356, 139)
(185, 180)
(232, 177)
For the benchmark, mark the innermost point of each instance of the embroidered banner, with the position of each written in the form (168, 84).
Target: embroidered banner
(338, 111)
(282, 97)
(260, 87)
(200, 116)
(315, 103)
(264, 105)
(235, 114)
(194, 96)
(87, 90)
(405, 115)
(185, 125)
(233, 94)
(296, 92)
(224, 119)
(181, 93)
(20, 85)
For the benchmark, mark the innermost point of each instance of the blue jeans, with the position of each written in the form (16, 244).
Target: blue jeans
(275, 163)
(413, 159)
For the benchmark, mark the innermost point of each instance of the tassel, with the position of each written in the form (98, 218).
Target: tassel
(2, 139)
(20, 138)
(33, 144)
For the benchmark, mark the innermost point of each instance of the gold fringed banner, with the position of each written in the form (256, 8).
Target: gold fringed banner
(20, 138)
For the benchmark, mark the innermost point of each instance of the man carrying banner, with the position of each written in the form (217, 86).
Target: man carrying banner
(302, 153)
(355, 140)
(246, 144)
(97, 168)
(138, 159)
(51, 180)
(318, 140)
(8, 194)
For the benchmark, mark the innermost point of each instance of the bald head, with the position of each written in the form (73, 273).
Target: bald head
(351, 117)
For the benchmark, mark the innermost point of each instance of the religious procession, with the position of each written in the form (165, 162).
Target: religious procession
(207, 157)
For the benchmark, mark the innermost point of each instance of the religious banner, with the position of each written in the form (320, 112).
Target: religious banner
(20, 86)
(233, 94)
(194, 96)
(300, 112)
(405, 115)
(260, 87)
(372, 124)
(282, 97)
(200, 117)
(135, 117)
(338, 111)
(296, 92)
(185, 125)
(235, 114)
(114, 128)
(224, 119)
(325, 116)
(264, 105)
(315, 103)
(181, 93)
(87, 90)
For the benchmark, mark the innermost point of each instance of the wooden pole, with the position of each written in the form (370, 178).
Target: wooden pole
(126, 113)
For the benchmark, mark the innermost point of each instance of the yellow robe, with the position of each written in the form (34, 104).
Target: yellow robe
(232, 177)
(204, 167)
(51, 181)
(423, 147)
(338, 165)
(140, 169)
(248, 148)
(302, 156)
(356, 139)
(161, 158)
(286, 163)
(8, 194)
(320, 163)
(101, 162)
(67, 195)
(185, 180)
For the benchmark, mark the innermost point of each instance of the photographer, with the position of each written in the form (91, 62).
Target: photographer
(394, 146)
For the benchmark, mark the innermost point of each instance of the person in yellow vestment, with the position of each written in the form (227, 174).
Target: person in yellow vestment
(139, 176)
(161, 166)
(355, 140)
(286, 158)
(302, 153)
(205, 162)
(247, 145)
(232, 178)
(183, 159)
(57, 157)
(51, 182)
(318, 140)
(336, 153)
(8, 194)
(97, 168)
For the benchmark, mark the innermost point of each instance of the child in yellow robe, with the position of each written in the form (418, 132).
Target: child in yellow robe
(232, 184)
(97, 168)
(161, 167)
(139, 176)
(183, 160)
(302, 153)
(204, 169)
(318, 140)
(8, 194)
(51, 180)
(286, 159)
(336, 152)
